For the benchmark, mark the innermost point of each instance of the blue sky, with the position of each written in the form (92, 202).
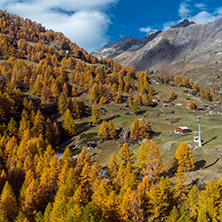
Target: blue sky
(93, 23)
(136, 17)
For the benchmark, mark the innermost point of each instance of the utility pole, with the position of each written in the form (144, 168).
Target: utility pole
(199, 120)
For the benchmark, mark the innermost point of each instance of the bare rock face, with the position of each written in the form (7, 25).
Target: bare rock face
(184, 23)
(112, 50)
(187, 48)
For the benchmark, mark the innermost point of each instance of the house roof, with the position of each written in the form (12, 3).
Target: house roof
(184, 127)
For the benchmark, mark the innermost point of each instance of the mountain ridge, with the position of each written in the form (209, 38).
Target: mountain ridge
(194, 50)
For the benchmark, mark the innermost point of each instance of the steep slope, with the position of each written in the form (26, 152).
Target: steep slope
(194, 49)
(112, 50)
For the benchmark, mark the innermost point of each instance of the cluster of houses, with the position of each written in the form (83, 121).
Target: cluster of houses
(213, 109)
(165, 103)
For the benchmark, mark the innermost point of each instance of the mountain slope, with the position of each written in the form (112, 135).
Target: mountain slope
(112, 50)
(194, 49)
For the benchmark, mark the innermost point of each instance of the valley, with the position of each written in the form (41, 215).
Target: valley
(160, 119)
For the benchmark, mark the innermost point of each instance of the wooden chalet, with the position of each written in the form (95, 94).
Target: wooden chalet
(183, 130)
(155, 99)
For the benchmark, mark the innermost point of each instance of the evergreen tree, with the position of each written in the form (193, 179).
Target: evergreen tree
(66, 89)
(38, 127)
(113, 166)
(184, 215)
(49, 131)
(93, 94)
(92, 212)
(68, 124)
(130, 207)
(174, 215)
(134, 130)
(184, 158)
(144, 129)
(209, 202)
(56, 134)
(110, 210)
(12, 128)
(130, 97)
(184, 162)
(83, 158)
(28, 204)
(62, 103)
(95, 114)
(38, 217)
(74, 91)
(118, 98)
(103, 131)
(101, 193)
(125, 154)
(161, 200)
(150, 158)
(3, 216)
(62, 198)
(172, 94)
(21, 218)
(10, 146)
(135, 107)
(192, 105)
(48, 209)
(114, 90)
(8, 203)
(112, 129)
(192, 201)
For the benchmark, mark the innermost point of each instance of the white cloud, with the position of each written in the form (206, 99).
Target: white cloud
(184, 10)
(200, 6)
(169, 25)
(203, 17)
(82, 21)
(146, 30)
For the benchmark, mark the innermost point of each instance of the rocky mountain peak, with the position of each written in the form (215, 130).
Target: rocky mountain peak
(183, 24)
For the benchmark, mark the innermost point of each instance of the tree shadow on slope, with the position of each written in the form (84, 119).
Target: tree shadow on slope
(199, 165)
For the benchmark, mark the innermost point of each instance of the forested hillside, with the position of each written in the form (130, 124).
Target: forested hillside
(42, 77)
